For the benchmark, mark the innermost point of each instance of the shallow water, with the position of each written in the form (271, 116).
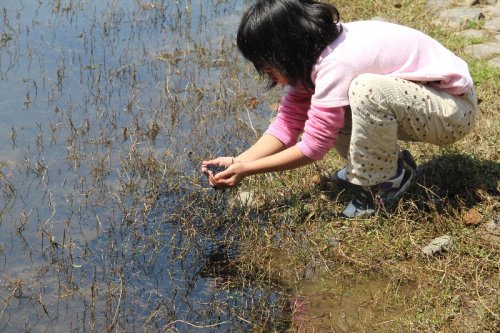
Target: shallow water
(108, 107)
(357, 304)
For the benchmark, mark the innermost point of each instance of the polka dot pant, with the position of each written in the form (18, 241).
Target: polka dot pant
(385, 109)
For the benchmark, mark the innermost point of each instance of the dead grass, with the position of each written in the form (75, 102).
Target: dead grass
(307, 246)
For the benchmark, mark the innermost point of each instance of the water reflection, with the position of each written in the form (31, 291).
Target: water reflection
(107, 107)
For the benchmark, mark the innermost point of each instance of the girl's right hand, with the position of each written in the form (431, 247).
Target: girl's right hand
(221, 161)
(224, 161)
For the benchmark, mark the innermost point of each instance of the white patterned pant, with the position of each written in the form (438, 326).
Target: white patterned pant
(385, 109)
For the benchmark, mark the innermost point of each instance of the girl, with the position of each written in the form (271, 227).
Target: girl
(359, 87)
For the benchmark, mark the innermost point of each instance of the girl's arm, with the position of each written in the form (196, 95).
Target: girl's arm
(268, 154)
(281, 134)
(265, 146)
(275, 150)
(287, 159)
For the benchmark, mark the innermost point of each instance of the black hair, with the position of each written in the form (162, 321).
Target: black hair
(288, 35)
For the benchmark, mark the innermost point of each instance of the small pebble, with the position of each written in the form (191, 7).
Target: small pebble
(439, 244)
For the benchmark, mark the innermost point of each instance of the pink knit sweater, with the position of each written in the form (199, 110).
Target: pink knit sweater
(363, 47)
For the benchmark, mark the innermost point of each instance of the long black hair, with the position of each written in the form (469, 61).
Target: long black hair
(288, 35)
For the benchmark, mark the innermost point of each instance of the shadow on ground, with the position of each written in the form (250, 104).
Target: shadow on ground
(463, 181)
(452, 180)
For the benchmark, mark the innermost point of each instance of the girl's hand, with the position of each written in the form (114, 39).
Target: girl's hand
(220, 161)
(230, 177)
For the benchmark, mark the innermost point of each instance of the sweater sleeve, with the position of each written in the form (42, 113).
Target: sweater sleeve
(292, 115)
(321, 131)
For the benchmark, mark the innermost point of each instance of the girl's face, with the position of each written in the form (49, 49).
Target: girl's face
(275, 75)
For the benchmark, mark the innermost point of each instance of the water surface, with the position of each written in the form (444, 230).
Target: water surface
(106, 223)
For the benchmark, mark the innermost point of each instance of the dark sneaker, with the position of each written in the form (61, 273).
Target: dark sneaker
(368, 200)
(406, 156)
(362, 204)
(340, 177)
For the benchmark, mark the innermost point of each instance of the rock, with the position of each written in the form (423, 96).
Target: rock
(491, 11)
(495, 62)
(493, 227)
(439, 3)
(309, 273)
(247, 199)
(333, 242)
(490, 232)
(437, 245)
(458, 17)
(471, 2)
(483, 50)
(472, 217)
(493, 24)
(472, 33)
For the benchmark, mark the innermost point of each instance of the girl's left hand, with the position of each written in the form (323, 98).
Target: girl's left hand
(230, 177)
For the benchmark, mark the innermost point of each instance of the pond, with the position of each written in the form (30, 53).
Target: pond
(106, 223)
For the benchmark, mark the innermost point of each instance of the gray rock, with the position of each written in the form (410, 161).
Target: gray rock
(333, 242)
(492, 2)
(493, 25)
(491, 11)
(439, 244)
(245, 199)
(458, 17)
(493, 227)
(309, 273)
(472, 33)
(484, 50)
(439, 3)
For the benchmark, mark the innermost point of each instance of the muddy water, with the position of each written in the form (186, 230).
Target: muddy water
(107, 108)
(356, 304)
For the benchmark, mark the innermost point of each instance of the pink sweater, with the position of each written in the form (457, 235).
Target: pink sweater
(363, 47)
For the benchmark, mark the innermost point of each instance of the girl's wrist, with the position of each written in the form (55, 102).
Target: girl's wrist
(236, 160)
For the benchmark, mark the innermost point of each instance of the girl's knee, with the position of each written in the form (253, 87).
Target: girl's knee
(364, 95)
(363, 90)
(364, 82)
